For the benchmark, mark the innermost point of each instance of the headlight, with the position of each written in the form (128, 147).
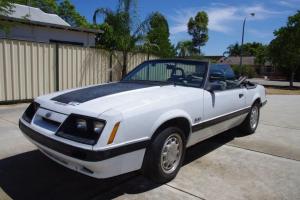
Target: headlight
(30, 111)
(98, 126)
(81, 129)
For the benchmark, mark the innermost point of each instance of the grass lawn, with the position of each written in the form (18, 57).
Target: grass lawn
(283, 90)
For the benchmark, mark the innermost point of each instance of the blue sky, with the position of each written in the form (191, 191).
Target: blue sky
(225, 18)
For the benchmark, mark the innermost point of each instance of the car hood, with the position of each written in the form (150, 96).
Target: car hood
(120, 96)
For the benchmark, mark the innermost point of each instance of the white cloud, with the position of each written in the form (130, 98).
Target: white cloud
(218, 18)
(222, 17)
(289, 3)
(180, 20)
(261, 12)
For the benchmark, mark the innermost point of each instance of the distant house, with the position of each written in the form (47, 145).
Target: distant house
(32, 24)
(213, 58)
(235, 60)
(262, 70)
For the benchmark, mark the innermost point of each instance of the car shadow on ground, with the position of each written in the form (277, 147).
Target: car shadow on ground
(32, 175)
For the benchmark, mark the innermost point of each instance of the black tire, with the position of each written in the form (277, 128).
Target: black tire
(247, 126)
(152, 165)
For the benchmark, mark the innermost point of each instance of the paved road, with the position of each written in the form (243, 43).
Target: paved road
(265, 165)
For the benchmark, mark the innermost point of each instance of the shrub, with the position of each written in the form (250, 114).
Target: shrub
(247, 70)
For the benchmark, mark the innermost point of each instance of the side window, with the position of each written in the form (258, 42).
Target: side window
(223, 76)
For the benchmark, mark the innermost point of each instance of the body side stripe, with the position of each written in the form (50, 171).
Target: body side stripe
(219, 119)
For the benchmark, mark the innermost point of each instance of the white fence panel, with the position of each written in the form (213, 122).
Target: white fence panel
(28, 69)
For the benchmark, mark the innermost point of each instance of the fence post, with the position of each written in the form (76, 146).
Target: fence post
(110, 66)
(57, 66)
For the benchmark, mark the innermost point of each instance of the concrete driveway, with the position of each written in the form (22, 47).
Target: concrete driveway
(265, 165)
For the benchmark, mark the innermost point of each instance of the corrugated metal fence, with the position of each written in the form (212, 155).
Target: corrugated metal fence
(30, 69)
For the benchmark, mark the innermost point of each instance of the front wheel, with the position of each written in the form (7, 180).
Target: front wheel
(250, 123)
(165, 155)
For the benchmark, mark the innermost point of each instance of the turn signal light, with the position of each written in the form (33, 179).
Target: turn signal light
(113, 133)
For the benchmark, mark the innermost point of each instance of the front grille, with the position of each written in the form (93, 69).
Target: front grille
(45, 123)
(49, 121)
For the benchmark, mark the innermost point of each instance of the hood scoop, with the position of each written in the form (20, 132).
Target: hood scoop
(86, 94)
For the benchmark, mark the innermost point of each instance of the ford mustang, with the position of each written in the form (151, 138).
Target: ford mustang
(144, 122)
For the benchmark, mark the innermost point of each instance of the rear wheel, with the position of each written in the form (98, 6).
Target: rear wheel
(250, 123)
(165, 155)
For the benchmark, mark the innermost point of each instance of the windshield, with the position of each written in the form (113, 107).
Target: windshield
(179, 72)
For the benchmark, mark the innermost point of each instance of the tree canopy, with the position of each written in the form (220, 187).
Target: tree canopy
(67, 11)
(158, 36)
(284, 50)
(5, 9)
(186, 48)
(197, 28)
(249, 49)
(124, 30)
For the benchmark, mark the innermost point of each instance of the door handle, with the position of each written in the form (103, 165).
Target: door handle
(241, 95)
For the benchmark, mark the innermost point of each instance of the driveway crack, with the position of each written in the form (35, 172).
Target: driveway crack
(256, 151)
(185, 192)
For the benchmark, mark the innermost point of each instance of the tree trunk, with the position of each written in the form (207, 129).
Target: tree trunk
(124, 67)
(292, 76)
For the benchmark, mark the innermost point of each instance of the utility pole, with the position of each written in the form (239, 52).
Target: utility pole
(242, 44)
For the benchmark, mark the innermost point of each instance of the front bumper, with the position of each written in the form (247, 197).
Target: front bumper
(99, 164)
(263, 103)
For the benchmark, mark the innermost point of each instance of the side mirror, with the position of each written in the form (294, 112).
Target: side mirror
(212, 87)
(208, 87)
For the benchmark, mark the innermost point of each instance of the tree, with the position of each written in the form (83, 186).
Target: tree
(284, 50)
(158, 36)
(149, 47)
(261, 55)
(125, 31)
(233, 50)
(249, 49)
(197, 28)
(5, 9)
(67, 11)
(186, 49)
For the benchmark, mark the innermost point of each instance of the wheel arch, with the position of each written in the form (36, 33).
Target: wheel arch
(178, 119)
(257, 100)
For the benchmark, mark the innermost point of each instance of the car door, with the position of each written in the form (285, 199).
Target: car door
(223, 106)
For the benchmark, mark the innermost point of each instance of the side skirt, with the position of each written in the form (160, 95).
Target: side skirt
(209, 128)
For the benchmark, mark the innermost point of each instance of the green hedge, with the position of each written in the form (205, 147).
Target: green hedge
(247, 70)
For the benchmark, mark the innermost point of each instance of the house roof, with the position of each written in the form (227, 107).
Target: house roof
(35, 16)
(235, 60)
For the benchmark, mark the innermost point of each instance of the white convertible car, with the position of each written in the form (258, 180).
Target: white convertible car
(146, 121)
